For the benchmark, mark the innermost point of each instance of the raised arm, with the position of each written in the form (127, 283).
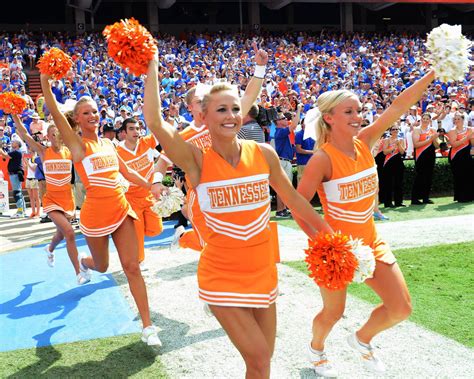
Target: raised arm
(179, 152)
(25, 136)
(303, 213)
(400, 105)
(69, 136)
(255, 84)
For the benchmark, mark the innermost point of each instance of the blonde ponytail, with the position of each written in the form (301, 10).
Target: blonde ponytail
(326, 103)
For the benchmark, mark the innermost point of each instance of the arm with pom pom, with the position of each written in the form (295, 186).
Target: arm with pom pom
(180, 152)
(304, 214)
(71, 139)
(400, 105)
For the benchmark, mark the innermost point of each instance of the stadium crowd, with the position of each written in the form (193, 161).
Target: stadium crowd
(377, 67)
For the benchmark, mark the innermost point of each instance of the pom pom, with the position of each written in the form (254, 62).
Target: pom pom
(12, 103)
(365, 261)
(55, 63)
(330, 261)
(122, 183)
(449, 52)
(169, 203)
(130, 45)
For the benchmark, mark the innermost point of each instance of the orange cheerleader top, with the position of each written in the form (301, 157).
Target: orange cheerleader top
(235, 201)
(99, 169)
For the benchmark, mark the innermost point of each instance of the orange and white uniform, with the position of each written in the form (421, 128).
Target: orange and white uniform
(141, 199)
(57, 167)
(424, 135)
(105, 206)
(195, 238)
(349, 197)
(237, 265)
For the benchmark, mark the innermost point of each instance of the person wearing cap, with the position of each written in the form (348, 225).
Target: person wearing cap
(37, 125)
(109, 132)
(139, 154)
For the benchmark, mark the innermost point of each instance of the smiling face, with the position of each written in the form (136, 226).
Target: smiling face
(87, 116)
(345, 118)
(222, 113)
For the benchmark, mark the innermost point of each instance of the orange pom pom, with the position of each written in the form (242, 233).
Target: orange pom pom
(55, 63)
(330, 261)
(130, 45)
(12, 103)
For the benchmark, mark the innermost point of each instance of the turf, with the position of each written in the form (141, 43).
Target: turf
(442, 207)
(114, 357)
(441, 282)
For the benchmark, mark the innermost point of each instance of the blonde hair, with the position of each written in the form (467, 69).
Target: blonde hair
(82, 100)
(218, 87)
(70, 119)
(326, 103)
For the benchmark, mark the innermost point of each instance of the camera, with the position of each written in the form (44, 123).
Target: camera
(267, 116)
(178, 174)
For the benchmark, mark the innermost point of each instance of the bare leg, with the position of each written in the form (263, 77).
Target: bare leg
(334, 303)
(125, 240)
(251, 335)
(388, 282)
(65, 228)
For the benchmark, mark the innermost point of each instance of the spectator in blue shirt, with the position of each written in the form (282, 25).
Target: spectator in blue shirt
(284, 148)
(304, 150)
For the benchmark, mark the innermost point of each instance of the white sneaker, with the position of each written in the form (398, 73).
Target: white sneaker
(18, 215)
(50, 258)
(177, 235)
(150, 337)
(371, 362)
(82, 279)
(320, 363)
(84, 271)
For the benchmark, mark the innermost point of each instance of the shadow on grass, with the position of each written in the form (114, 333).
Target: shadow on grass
(454, 205)
(174, 334)
(121, 363)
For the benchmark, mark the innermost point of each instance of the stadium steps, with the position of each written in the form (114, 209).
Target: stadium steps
(34, 84)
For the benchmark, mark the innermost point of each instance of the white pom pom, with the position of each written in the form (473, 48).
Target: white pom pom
(449, 52)
(366, 261)
(169, 203)
(123, 183)
(310, 123)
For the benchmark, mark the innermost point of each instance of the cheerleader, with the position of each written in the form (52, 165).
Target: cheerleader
(343, 172)
(58, 201)
(105, 211)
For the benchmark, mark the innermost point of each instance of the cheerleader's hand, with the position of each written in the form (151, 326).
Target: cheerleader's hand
(158, 189)
(45, 77)
(261, 56)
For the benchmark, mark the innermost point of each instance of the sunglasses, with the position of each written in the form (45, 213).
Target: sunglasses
(394, 130)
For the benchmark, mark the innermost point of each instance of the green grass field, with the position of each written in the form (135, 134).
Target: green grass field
(115, 357)
(442, 207)
(441, 283)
